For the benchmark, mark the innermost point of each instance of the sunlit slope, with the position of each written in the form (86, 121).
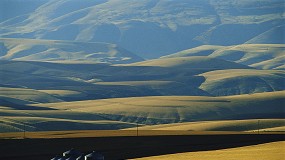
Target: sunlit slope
(170, 109)
(19, 124)
(64, 93)
(204, 50)
(30, 118)
(224, 125)
(272, 151)
(26, 96)
(273, 129)
(64, 51)
(196, 62)
(241, 81)
(35, 83)
(272, 55)
(17, 115)
(269, 37)
(261, 56)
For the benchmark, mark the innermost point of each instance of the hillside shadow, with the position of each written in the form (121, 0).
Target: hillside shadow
(114, 148)
(21, 106)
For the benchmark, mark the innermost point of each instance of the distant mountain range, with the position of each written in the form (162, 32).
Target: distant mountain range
(149, 28)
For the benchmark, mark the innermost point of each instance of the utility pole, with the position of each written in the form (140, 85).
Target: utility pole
(137, 129)
(258, 125)
(24, 130)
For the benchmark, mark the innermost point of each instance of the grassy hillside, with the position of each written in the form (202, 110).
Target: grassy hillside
(94, 80)
(269, 37)
(64, 51)
(171, 109)
(189, 76)
(242, 81)
(27, 96)
(261, 56)
(224, 125)
(36, 124)
(195, 62)
(251, 54)
(231, 113)
(64, 93)
(30, 118)
(204, 50)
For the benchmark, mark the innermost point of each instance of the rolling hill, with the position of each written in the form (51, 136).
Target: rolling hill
(37, 124)
(64, 51)
(224, 125)
(192, 76)
(204, 50)
(270, 36)
(74, 86)
(19, 118)
(260, 56)
(254, 54)
(195, 62)
(242, 81)
(138, 25)
(173, 109)
(230, 113)
(27, 96)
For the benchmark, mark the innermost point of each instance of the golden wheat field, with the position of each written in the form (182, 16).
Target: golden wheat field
(268, 151)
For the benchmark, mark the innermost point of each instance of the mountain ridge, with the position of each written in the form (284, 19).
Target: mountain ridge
(137, 25)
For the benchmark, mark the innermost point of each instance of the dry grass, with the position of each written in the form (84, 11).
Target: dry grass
(240, 81)
(195, 62)
(226, 74)
(170, 109)
(19, 124)
(136, 83)
(268, 151)
(122, 113)
(168, 62)
(14, 95)
(262, 56)
(116, 133)
(63, 93)
(69, 51)
(226, 125)
(203, 50)
(273, 129)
